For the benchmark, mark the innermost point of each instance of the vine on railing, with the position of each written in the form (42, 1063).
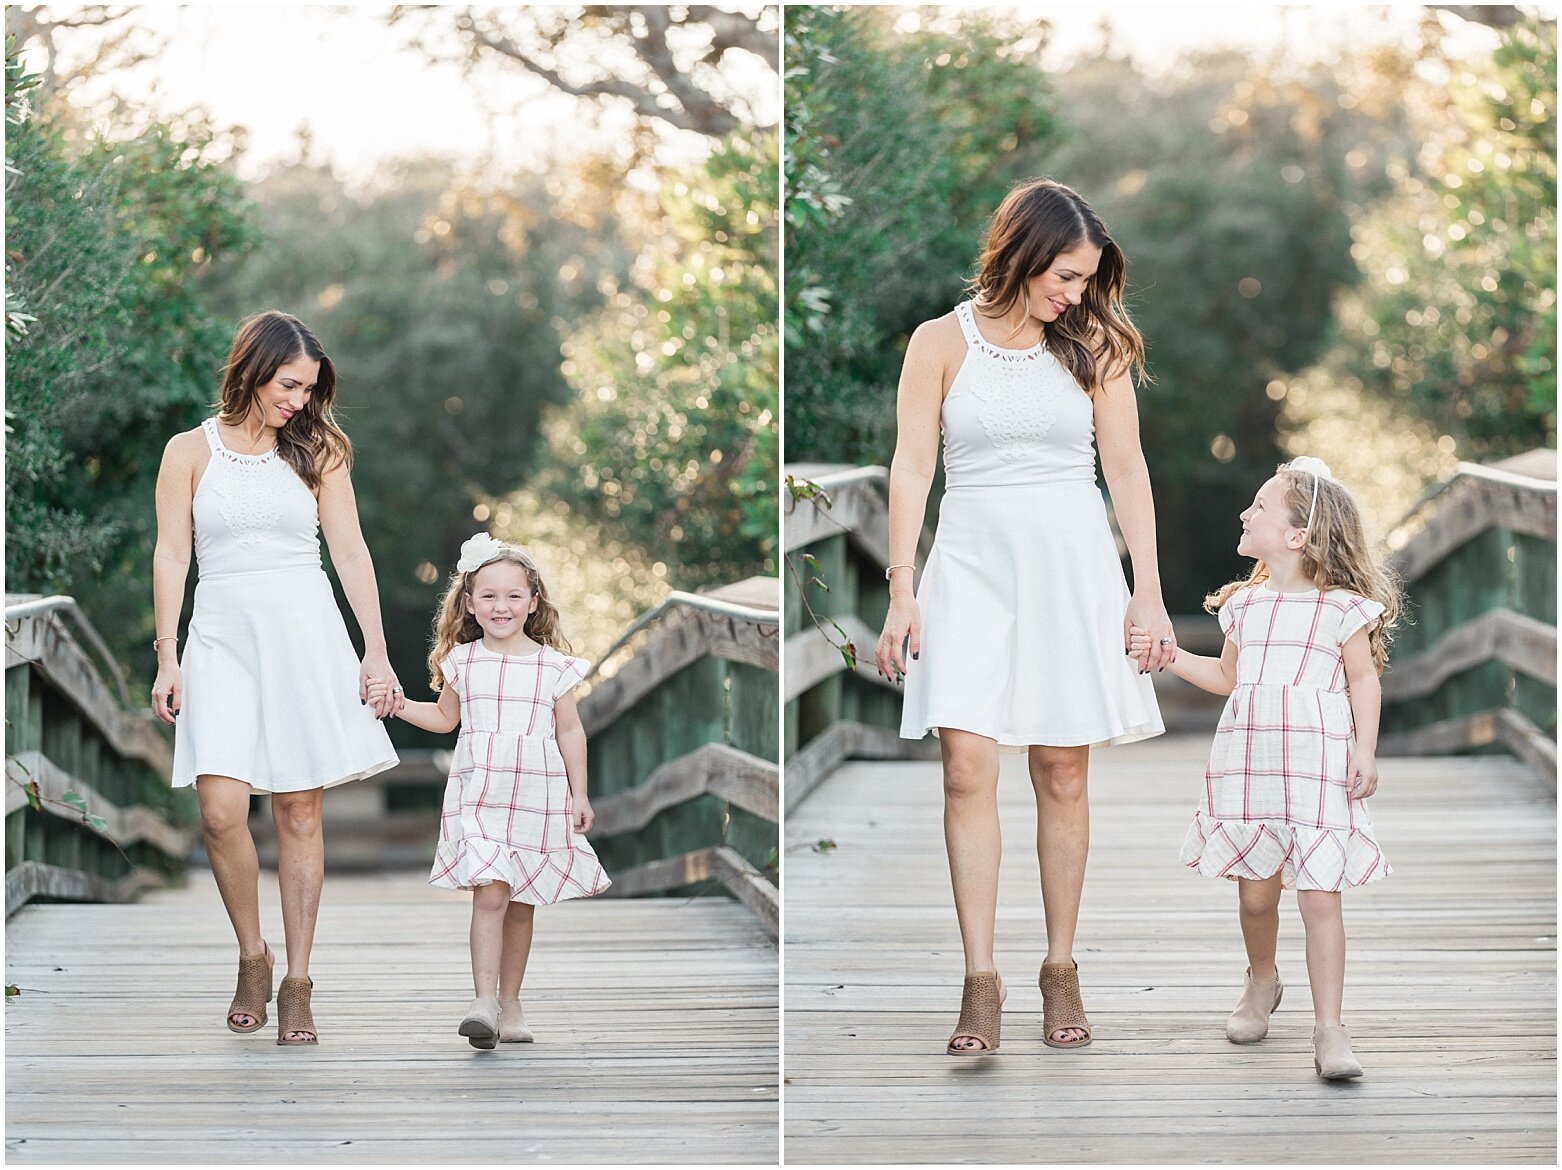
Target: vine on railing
(807, 489)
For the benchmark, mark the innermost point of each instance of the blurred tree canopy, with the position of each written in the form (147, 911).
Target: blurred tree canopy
(1276, 221)
(897, 149)
(1457, 320)
(673, 435)
(666, 62)
(106, 242)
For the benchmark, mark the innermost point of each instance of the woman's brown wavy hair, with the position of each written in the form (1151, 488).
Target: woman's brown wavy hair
(1335, 556)
(1035, 223)
(455, 626)
(310, 441)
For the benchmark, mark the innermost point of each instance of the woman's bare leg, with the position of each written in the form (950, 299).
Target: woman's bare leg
(231, 851)
(975, 847)
(1059, 775)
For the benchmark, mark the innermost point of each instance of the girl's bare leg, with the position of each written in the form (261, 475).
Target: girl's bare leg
(519, 919)
(489, 903)
(1324, 919)
(1258, 907)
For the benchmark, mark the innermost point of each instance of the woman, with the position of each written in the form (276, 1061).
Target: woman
(1018, 631)
(268, 694)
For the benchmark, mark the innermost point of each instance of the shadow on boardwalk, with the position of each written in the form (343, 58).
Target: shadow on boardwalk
(656, 1028)
(1450, 985)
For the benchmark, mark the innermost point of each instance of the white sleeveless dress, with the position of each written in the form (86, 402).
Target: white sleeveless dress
(270, 676)
(1023, 597)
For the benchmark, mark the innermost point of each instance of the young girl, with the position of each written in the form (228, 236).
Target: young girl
(515, 807)
(1293, 761)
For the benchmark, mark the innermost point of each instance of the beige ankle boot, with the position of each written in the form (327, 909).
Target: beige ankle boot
(1249, 1023)
(1332, 1056)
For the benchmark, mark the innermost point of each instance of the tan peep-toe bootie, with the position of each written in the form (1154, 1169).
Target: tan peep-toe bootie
(1061, 1006)
(293, 1011)
(981, 1015)
(1332, 1057)
(253, 992)
(1249, 1023)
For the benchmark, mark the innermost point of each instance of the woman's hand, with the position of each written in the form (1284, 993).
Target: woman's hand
(903, 621)
(376, 667)
(167, 692)
(1149, 614)
(585, 816)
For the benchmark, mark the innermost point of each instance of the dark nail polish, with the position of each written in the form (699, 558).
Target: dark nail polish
(917, 657)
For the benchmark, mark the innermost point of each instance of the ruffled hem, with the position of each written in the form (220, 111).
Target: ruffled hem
(1305, 858)
(534, 876)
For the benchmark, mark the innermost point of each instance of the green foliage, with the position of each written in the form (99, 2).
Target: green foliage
(898, 148)
(672, 437)
(1230, 194)
(1458, 322)
(106, 241)
(440, 304)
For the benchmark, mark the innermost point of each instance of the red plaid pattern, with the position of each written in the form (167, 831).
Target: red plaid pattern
(1277, 790)
(508, 814)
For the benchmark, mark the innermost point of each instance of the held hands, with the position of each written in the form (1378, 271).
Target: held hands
(1149, 618)
(585, 816)
(1363, 775)
(385, 697)
(902, 622)
(1139, 645)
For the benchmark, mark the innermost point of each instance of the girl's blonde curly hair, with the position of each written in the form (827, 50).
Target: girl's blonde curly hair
(1336, 555)
(455, 625)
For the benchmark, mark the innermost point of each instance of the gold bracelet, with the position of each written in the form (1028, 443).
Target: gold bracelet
(892, 568)
(169, 638)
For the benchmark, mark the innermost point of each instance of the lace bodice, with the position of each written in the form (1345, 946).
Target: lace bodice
(1014, 417)
(252, 513)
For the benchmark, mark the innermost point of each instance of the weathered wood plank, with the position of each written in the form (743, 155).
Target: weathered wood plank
(1475, 500)
(45, 642)
(843, 741)
(1503, 726)
(811, 657)
(737, 777)
(27, 880)
(656, 1032)
(125, 825)
(1514, 639)
(1451, 981)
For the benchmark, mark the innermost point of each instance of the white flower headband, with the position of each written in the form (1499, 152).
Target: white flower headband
(1316, 468)
(478, 551)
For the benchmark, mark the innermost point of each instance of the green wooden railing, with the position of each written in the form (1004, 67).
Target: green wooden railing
(89, 814)
(1476, 669)
(683, 763)
(833, 712)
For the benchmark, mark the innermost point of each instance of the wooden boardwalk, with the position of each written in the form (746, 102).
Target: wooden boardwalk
(656, 1026)
(1450, 985)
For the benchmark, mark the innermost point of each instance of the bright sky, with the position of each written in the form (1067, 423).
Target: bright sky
(339, 71)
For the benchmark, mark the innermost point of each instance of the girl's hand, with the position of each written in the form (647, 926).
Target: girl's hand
(378, 692)
(1139, 644)
(585, 816)
(902, 622)
(377, 668)
(1363, 775)
(167, 692)
(1149, 614)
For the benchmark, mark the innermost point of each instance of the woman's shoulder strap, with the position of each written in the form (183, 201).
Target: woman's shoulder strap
(213, 440)
(967, 318)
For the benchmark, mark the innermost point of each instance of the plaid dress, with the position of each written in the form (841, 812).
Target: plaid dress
(508, 815)
(1277, 791)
